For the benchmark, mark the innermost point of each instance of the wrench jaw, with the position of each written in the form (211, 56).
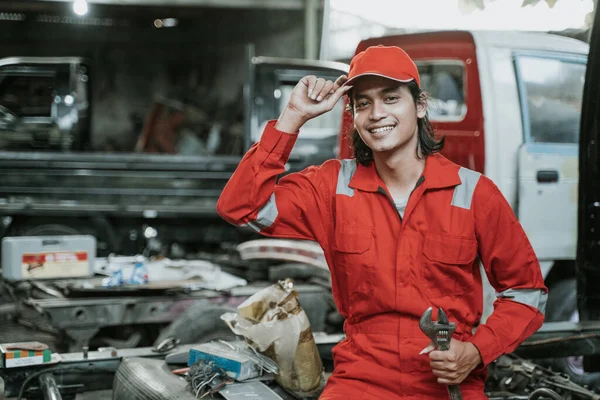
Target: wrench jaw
(440, 332)
(427, 325)
(442, 317)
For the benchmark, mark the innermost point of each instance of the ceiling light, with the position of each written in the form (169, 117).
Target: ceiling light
(80, 7)
(165, 22)
(170, 22)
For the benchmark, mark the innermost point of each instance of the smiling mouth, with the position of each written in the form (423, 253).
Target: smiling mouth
(382, 129)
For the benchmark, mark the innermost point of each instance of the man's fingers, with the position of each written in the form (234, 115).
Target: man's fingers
(333, 98)
(310, 82)
(448, 356)
(339, 82)
(319, 83)
(430, 347)
(325, 91)
(321, 87)
(442, 366)
(446, 381)
(449, 377)
(315, 96)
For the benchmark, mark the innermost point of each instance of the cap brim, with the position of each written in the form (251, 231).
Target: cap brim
(354, 78)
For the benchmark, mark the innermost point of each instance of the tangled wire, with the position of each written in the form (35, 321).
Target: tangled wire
(206, 378)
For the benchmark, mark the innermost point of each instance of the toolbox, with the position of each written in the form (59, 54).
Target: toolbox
(48, 257)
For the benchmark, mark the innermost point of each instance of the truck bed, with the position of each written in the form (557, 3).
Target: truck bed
(145, 185)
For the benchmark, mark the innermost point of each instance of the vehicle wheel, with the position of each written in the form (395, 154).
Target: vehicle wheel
(50, 230)
(562, 306)
(198, 324)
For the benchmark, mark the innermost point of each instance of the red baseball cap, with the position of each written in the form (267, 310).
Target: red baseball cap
(387, 61)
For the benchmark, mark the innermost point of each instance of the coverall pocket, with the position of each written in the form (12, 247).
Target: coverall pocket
(448, 264)
(354, 261)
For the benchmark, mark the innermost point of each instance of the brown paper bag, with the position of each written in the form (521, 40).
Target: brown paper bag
(273, 321)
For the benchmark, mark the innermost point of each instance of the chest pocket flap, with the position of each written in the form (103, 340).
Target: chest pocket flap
(353, 239)
(449, 249)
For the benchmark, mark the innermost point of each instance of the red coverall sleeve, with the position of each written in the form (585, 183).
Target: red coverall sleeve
(513, 270)
(295, 207)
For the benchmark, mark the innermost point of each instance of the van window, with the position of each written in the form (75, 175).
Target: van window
(27, 95)
(444, 81)
(551, 96)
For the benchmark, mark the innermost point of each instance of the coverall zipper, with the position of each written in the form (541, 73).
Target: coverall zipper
(384, 192)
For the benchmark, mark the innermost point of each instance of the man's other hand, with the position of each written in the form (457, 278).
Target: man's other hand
(453, 366)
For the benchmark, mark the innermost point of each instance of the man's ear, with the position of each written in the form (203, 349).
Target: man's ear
(422, 106)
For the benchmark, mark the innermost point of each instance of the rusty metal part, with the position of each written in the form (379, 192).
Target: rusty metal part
(440, 332)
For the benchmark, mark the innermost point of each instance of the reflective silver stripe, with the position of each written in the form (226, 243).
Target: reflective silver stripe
(347, 170)
(266, 216)
(532, 297)
(463, 193)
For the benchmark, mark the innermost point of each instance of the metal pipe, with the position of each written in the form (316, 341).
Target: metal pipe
(49, 387)
(324, 45)
(310, 29)
(538, 393)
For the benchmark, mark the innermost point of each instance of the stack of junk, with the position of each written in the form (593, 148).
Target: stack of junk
(278, 345)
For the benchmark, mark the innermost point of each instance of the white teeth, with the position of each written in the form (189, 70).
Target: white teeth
(382, 129)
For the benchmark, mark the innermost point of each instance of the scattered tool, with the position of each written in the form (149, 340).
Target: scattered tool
(440, 332)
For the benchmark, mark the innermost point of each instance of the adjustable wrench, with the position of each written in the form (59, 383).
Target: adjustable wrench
(440, 332)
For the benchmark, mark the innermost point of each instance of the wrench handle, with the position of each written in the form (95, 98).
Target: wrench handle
(445, 346)
(454, 392)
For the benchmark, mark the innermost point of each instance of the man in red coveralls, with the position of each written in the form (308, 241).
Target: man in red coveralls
(402, 229)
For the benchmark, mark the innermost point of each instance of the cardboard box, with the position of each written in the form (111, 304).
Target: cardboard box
(24, 354)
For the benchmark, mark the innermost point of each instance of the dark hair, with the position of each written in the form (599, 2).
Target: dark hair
(426, 145)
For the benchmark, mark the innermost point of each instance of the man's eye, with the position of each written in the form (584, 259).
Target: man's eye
(362, 104)
(391, 98)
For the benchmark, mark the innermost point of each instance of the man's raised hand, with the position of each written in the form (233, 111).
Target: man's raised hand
(310, 98)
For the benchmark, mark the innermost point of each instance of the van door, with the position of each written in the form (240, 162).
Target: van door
(550, 91)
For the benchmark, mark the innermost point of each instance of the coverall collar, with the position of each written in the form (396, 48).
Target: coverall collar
(438, 173)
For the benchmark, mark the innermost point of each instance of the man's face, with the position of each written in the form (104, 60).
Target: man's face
(385, 114)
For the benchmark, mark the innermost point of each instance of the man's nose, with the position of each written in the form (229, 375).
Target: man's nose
(378, 111)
